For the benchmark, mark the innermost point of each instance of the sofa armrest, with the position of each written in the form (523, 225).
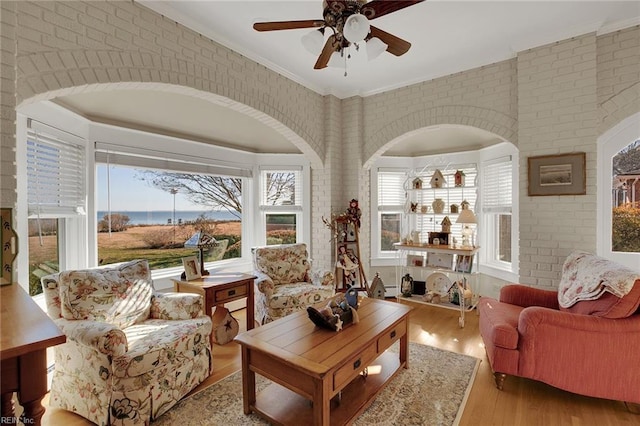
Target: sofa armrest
(176, 306)
(263, 283)
(521, 295)
(553, 343)
(325, 279)
(103, 337)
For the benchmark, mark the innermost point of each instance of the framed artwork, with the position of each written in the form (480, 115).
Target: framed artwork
(440, 260)
(415, 260)
(562, 174)
(191, 268)
(443, 238)
(464, 263)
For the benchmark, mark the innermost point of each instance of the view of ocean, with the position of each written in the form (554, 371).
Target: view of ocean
(163, 217)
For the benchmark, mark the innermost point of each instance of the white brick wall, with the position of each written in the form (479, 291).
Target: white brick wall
(557, 114)
(551, 99)
(618, 60)
(7, 105)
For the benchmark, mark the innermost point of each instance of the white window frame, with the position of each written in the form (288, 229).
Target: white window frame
(610, 144)
(491, 214)
(489, 266)
(383, 257)
(302, 199)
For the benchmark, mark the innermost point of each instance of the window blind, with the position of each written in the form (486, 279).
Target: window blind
(55, 172)
(497, 186)
(391, 193)
(151, 159)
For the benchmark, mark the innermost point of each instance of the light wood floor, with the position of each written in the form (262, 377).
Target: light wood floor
(522, 402)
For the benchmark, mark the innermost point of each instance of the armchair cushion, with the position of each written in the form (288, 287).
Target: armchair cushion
(176, 306)
(288, 264)
(119, 296)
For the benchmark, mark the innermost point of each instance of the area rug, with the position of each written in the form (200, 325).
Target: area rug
(432, 391)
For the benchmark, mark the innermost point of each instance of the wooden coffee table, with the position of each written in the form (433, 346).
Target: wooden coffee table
(308, 363)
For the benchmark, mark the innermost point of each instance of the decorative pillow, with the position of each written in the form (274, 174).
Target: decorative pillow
(284, 264)
(120, 296)
(609, 305)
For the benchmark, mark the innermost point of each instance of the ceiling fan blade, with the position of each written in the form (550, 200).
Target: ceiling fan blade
(287, 25)
(397, 46)
(325, 55)
(377, 8)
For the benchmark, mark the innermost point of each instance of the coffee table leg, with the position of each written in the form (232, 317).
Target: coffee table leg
(248, 382)
(404, 350)
(322, 403)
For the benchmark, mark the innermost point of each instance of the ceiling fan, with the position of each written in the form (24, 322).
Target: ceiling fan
(348, 21)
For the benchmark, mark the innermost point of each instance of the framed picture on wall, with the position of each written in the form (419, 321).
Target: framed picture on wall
(557, 174)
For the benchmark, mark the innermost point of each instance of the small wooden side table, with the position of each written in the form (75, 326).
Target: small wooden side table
(221, 288)
(27, 332)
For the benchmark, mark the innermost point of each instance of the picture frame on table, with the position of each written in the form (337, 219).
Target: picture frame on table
(440, 260)
(191, 268)
(562, 174)
(415, 260)
(464, 263)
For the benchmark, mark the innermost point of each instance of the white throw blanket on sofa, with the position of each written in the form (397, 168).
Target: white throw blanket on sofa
(586, 276)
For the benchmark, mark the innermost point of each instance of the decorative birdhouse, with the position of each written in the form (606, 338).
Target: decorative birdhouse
(376, 289)
(464, 205)
(416, 183)
(458, 178)
(446, 224)
(438, 180)
(453, 208)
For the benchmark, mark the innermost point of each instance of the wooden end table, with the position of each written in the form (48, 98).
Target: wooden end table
(27, 332)
(220, 288)
(308, 363)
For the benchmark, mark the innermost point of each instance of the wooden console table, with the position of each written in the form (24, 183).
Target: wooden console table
(27, 332)
(307, 363)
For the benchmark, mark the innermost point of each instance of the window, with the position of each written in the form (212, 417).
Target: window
(391, 200)
(148, 206)
(281, 205)
(625, 215)
(497, 210)
(55, 197)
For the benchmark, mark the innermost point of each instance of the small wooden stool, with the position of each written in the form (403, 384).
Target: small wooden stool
(225, 326)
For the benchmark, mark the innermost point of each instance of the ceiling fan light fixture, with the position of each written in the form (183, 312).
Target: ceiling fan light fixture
(356, 28)
(313, 41)
(375, 47)
(336, 60)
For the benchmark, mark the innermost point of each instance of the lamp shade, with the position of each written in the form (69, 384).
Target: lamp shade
(375, 47)
(356, 28)
(313, 41)
(466, 216)
(201, 240)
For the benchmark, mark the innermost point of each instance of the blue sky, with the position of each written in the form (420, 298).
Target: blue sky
(130, 193)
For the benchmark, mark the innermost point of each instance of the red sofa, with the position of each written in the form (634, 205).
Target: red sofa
(591, 348)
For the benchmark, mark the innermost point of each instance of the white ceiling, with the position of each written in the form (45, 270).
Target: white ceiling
(446, 36)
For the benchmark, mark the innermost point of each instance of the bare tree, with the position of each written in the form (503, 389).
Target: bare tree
(628, 159)
(221, 192)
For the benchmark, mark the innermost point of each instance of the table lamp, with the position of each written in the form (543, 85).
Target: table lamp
(466, 217)
(202, 241)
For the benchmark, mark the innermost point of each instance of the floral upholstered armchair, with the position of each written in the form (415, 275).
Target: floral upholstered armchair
(285, 282)
(131, 353)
